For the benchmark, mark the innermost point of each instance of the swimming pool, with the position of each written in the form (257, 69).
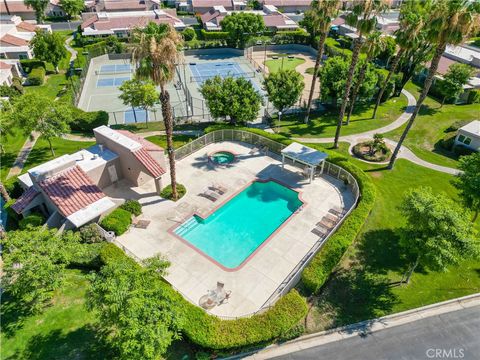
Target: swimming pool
(231, 234)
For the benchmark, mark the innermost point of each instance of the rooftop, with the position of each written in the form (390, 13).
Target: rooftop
(304, 154)
(118, 137)
(472, 128)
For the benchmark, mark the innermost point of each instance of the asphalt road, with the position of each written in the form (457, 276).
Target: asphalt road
(454, 335)
(72, 25)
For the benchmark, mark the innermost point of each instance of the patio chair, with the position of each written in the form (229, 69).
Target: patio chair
(331, 223)
(320, 231)
(327, 224)
(219, 188)
(338, 211)
(331, 217)
(142, 224)
(210, 195)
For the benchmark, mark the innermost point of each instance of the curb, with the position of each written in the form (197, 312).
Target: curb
(361, 328)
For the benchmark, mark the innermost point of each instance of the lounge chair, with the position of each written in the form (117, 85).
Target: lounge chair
(325, 224)
(211, 195)
(219, 188)
(337, 210)
(331, 217)
(331, 223)
(320, 231)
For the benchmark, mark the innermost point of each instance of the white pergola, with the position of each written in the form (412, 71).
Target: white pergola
(304, 155)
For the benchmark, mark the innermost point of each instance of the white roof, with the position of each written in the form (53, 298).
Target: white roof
(93, 157)
(117, 137)
(304, 154)
(472, 128)
(91, 212)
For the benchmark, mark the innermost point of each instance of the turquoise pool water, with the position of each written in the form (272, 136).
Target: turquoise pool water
(222, 157)
(240, 226)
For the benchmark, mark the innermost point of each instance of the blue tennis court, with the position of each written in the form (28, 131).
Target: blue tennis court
(114, 69)
(204, 71)
(117, 81)
(139, 115)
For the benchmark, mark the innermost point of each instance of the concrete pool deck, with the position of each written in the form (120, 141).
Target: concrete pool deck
(191, 273)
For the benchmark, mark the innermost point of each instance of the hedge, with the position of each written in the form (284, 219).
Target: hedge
(117, 221)
(132, 206)
(87, 121)
(211, 332)
(473, 96)
(36, 76)
(214, 35)
(32, 220)
(29, 65)
(319, 269)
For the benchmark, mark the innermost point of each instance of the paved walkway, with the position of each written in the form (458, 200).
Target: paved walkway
(23, 155)
(70, 49)
(376, 335)
(404, 153)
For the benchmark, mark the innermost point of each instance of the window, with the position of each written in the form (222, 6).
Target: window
(464, 139)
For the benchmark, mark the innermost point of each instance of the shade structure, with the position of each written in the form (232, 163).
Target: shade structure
(305, 155)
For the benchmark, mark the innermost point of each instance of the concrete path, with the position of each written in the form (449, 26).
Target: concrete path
(405, 153)
(23, 155)
(70, 49)
(450, 324)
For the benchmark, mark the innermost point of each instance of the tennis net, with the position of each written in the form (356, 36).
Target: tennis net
(202, 78)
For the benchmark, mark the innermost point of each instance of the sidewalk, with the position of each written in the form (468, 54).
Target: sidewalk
(363, 328)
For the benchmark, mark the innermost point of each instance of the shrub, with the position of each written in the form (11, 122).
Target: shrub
(87, 121)
(12, 216)
(36, 76)
(13, 188)
(88, 257)
(447, 142)
(132, 206)
(29, 65)
(457, 125)
(167, 191)
(381, 155)
(462, 150)
(17, 85)
(117, 221)
(473, 97)
(214, 35)
(30, 221)
(109, 253)
(90, 234)
(188, 34)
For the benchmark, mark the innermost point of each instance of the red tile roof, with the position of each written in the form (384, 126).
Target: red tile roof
(280, 3)
(26, 26)
(13, 40)
(15, 7)
(338, 21)
(89, 21)
(210, 15)
(71, 190)
(25, 199)
(124, 5)
(152, 166)
(128, 22)
(147, 145)
(443, 65)
(211, 3)
(5, 66)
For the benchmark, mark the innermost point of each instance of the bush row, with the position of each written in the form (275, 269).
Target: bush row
(319, 269)
(211, 332)
(214, 35)
(87, 121)
(36, 76)
(132, 206)
(29, 65)
(31, 221)
(117, 221)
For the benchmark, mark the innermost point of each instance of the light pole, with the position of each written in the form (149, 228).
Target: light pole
(265, 57)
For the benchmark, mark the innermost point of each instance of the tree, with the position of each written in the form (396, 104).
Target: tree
(241, 27)
(231, 98)
(33, 264)
(319, 19)
(456, 77)
(377, 144)
(408, 37)
(34, 112)
(156, 52)
(139, 93)
(374, 44)
(333, 76)
(436, 234)
(72, 7)
(388, 50)
(136, 308)
(364, 17)
(463, 16)
(39, 6)
(284, 88)
(48, 47)
(468, 182)
(188, 34)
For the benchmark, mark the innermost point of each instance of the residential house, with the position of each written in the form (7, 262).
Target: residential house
(8, 70)
(121, 23)
(274, 20)
(288, 6)
(18, 7)
(469, 136)
(126, 5)
(68, 189)
(15, 35)
(203, 6)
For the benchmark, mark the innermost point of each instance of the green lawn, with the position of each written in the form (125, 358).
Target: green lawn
(431, 126)
(51, 88)
(41, 151)
(363, 286)
(12, 144)
(66, 330)
(283, 63)
(324, 125)
(178, 140)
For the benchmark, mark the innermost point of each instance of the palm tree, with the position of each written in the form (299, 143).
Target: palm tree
(155, 52)
(407, 37)
(449, 22)
(321, 14)
(374, 45)
(364, 17)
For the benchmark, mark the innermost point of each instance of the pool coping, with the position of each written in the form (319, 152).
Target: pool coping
(172, 229)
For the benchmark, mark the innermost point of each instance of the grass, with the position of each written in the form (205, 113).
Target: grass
(41, 151)
(430, 127)
(12, 143)
(283, 63)
(363, 286)
(51, 88)
(178, 140)
(65, 330)
(159, 126)
(324, 125)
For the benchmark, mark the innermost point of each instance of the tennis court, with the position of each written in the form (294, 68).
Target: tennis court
(204, 71)
(115, 81)
(112, 69)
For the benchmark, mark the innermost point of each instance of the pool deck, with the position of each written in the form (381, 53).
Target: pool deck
(193, 274)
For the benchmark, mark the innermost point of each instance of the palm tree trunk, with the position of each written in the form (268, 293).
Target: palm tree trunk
(385, 83)
(356, 89)
(348, 86)
(4, 193)
(134, 114)
(168, 120)
(426, 87)
(321, 44)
